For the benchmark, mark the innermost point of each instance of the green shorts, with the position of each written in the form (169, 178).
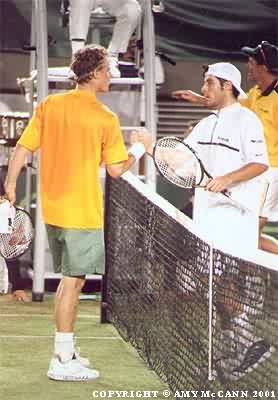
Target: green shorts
(76, 252)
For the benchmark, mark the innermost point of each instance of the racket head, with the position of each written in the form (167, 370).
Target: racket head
(177, 162)
(16, 243)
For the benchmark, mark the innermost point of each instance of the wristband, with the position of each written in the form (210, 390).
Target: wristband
(137, 150)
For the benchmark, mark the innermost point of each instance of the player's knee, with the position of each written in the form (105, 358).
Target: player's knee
(72, 283)
(80, 283)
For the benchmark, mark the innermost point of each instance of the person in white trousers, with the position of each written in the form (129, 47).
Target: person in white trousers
(127, 14)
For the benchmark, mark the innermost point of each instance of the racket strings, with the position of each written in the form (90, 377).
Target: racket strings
(14, 244)
(176, 162)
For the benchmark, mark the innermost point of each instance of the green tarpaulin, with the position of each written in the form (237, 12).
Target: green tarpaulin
(198, 28)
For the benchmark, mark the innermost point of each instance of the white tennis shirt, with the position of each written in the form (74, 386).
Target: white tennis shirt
(226, 141)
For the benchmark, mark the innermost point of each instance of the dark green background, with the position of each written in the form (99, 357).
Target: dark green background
(187, 28)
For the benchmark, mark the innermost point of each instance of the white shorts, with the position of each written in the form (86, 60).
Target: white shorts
(230, 231)
(270, 208)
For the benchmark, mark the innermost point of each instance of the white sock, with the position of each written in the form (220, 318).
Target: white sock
(77, 45)
(64, 345)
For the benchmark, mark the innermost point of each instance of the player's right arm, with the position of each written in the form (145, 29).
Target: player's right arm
(136, 151)
(117, 169)
(28, 142)
(16, 164)
(114, 154)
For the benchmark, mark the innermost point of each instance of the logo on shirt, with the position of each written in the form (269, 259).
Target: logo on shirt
(223, 139)
(256, 141)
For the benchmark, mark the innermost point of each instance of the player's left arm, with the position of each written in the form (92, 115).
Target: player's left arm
(242, 174)
(254, 153)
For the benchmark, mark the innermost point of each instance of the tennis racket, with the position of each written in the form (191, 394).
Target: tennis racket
(179, 164)
(19, 240)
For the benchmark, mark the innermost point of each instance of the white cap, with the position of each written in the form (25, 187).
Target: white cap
(228, 72)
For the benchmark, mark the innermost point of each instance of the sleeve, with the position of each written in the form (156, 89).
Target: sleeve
(31, 137)
(113, 147)
(254, 147)
(275, 114)
(194, 136)
(246, 102)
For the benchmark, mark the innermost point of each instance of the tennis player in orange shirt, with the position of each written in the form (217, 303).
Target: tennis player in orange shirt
(75, 133)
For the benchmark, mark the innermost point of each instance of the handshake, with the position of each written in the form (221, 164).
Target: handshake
(143, 137)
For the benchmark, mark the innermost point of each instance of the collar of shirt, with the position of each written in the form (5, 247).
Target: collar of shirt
(228, 109)
(269, 89)
(85, 93)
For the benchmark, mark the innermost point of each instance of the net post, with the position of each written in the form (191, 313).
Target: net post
(150, 87)
(103, 307)
(210, 314)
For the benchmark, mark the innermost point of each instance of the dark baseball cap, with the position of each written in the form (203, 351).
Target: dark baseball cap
(265, 53)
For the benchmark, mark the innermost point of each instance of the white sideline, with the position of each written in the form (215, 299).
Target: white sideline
(267, 260)
(84, 316)
(52, 336)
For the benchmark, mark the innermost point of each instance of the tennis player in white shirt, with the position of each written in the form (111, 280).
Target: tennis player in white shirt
(231, 145)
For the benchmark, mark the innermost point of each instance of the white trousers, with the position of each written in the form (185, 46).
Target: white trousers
(127, 13)
(226, 226)
(270, 208)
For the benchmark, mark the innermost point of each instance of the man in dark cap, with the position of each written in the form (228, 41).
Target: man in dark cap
(264, 54)
(263, 100)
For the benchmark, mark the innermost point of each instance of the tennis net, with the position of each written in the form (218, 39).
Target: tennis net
(201, 318)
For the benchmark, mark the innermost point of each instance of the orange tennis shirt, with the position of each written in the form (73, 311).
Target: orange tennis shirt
(265, 105)
(75, 133)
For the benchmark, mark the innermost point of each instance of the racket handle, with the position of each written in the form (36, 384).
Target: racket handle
(226, 192)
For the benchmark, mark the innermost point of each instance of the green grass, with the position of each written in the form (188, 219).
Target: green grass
(24, 355)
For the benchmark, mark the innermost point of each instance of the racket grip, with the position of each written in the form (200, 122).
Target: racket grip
(227, 192)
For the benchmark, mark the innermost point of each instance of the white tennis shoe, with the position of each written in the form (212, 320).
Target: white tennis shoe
(83, 360)
(71, 370)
